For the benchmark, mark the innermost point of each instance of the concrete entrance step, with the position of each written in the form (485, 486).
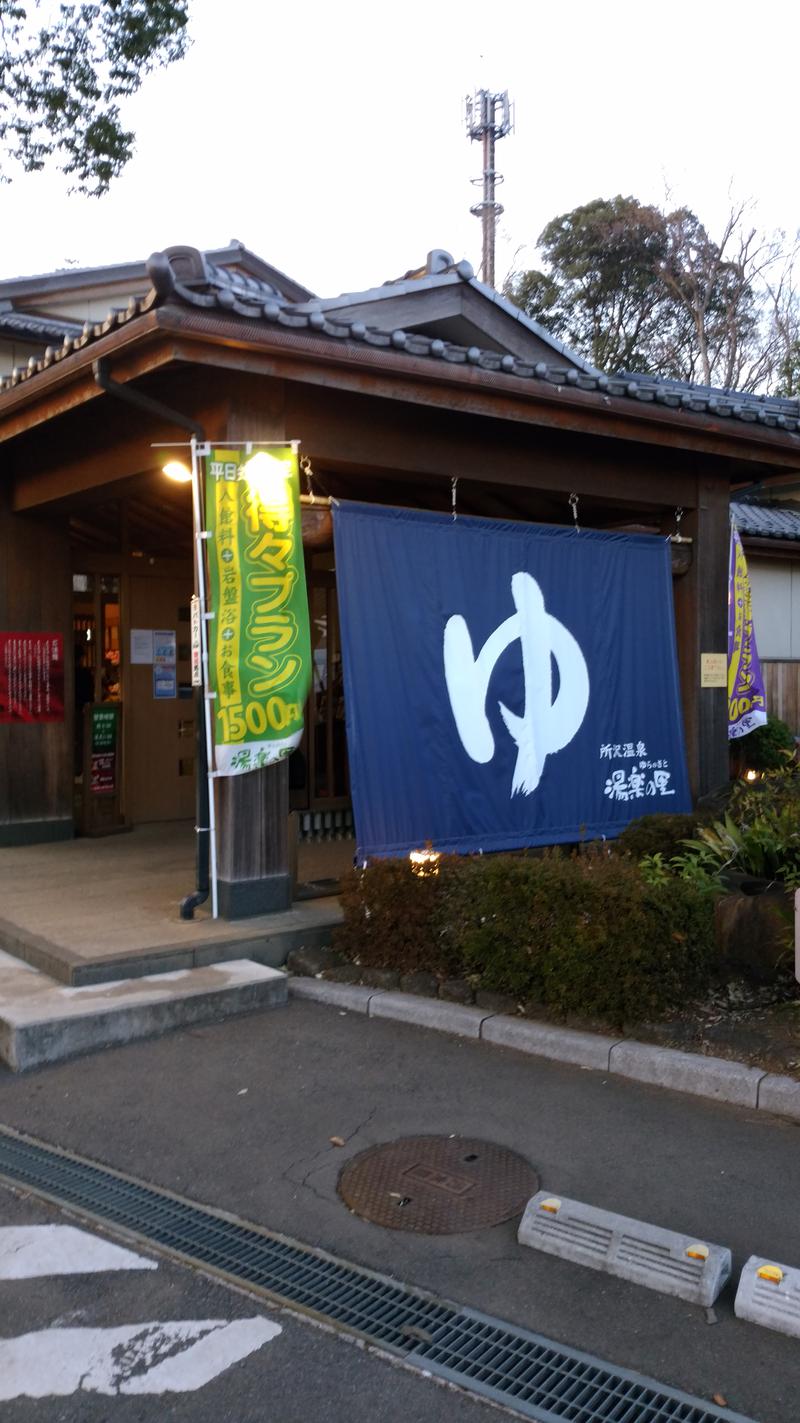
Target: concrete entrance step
(79, 948)
(43, 1021)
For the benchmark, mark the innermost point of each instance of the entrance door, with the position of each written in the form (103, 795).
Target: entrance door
(160, 717)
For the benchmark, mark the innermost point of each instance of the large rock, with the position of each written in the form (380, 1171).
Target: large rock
(754, 932)
(308, 960)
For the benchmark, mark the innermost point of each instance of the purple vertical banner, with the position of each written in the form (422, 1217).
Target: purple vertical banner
(747, 702)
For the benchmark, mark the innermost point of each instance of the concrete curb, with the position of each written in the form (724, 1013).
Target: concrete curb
(716, 1078)
(428, 1013)
(543, 1040)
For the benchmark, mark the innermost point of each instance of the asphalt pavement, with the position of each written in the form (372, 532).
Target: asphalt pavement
(241, 1116)
(58, 1330)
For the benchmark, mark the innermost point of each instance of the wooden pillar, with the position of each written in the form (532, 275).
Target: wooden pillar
(701, 614)
(253, 809)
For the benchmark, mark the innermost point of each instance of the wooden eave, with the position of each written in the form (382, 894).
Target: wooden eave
(771, 548)
(176, 334)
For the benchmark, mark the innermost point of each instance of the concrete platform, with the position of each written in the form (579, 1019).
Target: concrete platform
(92, 911)
(41, 1021)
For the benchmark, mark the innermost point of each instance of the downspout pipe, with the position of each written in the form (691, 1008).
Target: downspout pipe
(143, 402)
(140, 401)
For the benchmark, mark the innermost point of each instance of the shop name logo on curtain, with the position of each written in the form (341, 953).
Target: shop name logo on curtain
(747, 702)
(545, 726)
(259, 648)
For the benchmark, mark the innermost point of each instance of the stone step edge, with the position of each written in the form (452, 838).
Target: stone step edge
(715, 1078)
(102, 1023)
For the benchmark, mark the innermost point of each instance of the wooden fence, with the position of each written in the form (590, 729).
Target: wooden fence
(782, 685)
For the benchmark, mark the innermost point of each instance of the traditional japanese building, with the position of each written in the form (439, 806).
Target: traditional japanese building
(410, 393)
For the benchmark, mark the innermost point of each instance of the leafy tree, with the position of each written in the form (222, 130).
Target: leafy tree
(63, 72)
(602, 291)
(634, 288)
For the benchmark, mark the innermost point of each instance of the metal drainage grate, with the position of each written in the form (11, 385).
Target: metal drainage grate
(537, 1378)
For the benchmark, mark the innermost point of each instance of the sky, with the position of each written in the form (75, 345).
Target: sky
(331, 140)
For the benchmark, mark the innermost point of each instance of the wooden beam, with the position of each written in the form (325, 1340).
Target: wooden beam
(177, 334)
(422, 380)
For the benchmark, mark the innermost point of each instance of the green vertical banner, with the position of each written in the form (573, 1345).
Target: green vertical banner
(259, 645)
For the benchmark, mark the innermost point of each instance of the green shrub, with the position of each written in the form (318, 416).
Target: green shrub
(585, 933)
(656, 835)
(392, 917)
(767, 748)
(774, 792)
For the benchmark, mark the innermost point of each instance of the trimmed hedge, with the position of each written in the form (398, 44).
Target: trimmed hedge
(658, 835)
(579, 933)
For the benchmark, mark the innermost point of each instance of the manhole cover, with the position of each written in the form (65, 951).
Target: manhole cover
(437, 1185)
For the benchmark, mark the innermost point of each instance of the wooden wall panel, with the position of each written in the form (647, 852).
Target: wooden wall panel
(782, 685)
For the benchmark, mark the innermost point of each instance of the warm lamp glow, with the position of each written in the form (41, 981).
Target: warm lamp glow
(267, 477)
(177, 470)
(751, 775)
(424, 862)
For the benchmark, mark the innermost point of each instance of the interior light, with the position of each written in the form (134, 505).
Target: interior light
(267, 478)
(177, 470)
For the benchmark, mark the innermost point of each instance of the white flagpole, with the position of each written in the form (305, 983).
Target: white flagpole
(200, 536)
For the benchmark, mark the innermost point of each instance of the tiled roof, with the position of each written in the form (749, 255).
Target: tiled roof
(767, 520)
(37, 327)
(184, 275)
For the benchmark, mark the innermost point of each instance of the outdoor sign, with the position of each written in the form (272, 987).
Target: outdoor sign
(31, 676)
(101, 812)
(259, 647)
(747, 701)
(506, 684)
(165, 675)
(104, 736)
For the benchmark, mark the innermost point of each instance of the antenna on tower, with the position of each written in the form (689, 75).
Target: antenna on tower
(489, 117)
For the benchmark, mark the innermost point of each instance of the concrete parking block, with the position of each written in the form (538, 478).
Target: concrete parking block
(337, 995)
(659, 1259)
(780, 1095)
(769, 1294)
(428, 1013)
(545, 1040)
(713, 1077)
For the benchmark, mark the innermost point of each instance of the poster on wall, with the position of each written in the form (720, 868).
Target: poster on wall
(506, 684)
(165, 665)
(31, 677)
(259, 646)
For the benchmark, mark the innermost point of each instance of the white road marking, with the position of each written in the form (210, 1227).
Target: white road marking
(30, 1251)
(178, 1356)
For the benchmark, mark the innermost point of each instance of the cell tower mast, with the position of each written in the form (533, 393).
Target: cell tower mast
(489, 117)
